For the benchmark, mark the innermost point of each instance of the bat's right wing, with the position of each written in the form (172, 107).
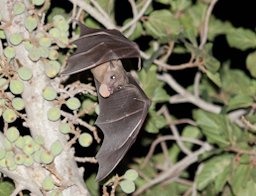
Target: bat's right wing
(121, 116)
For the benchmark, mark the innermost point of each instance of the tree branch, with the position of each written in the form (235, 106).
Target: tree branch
(188, 97)
(94, 13)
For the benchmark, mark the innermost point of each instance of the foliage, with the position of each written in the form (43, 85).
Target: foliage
(47, 120)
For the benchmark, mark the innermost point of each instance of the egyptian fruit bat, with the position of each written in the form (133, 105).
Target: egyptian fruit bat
(123, 104)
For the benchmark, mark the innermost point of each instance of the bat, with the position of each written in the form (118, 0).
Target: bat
(123, 104)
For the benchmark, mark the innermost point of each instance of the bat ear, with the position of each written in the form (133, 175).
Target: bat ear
(139, 63)
(83, 28)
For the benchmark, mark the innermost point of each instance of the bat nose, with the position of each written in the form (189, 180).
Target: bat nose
(111, 90)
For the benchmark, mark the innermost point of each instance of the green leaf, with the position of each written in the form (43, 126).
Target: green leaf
(152, 86)
(222, 179)
(91, 23)
(212, 169)
(137, 32)
(108, 6)
(240, 176)
(215, 78)
(239, 101)
(192, 21)
(179, 5)
(251, 63)
(217, 27)
(161, 24)
(212, 64)
(160, 95)
(214, 126)
(6, 188)
(235, 81)
(248, 189)
(91, 185)
(154, 122)
(191, 132)
(241, 38)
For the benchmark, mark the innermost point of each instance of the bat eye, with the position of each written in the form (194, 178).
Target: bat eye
(119, 87)
(113, 77)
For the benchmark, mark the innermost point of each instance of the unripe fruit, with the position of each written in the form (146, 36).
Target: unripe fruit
(53, 114)
(12, 134)
(2, 153)
(16, 39)
(56, 148)
(30, 23)
(131, 174)
(45, 42)
(3, 84)
(25, 73)
(19, 158)
(46, 157)
(9, 116)
(18, 8)
(34, 53)
(73, 103)
(38, 2)
(16, 87)
(53, 54)
(64, 128)
(48, 183)
(18, 103)
(9, 52)
(28, 161)
(52, 68)
(127, 186)
(20, 143)
(49, 93)
(85, 139)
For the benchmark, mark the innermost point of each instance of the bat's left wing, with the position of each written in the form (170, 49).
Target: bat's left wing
(97, 46)
(121, 117)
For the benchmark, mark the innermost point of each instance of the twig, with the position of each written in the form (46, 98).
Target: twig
(197, 83)
(241, 151)
(175, 170)
(164, 138)
(175, 132)
(188, 96)
(85, 159)
(79, 121)
(136, 18)
(102, 11)
(206, 21)
(248, 124)
(166, 66)
(135, 13)
(182, 121)
(164, 147)
(169, 52)
(94, 13)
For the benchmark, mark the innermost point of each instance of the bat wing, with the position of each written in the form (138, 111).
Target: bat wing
(97, 46)
(121, 117)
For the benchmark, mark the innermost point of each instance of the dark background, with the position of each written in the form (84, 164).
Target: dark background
(239, 13)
